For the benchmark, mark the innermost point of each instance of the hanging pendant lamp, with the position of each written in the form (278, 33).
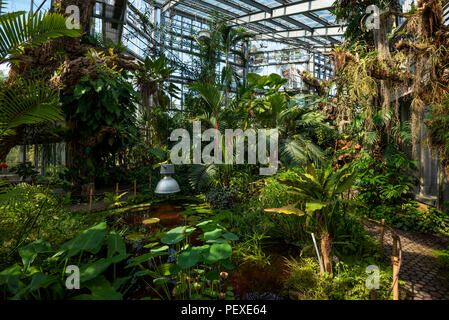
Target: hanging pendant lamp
(204, 35)
(167, 185)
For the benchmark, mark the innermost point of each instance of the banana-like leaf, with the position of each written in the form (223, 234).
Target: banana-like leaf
(288, 210)
(315, 206)
(346, 184)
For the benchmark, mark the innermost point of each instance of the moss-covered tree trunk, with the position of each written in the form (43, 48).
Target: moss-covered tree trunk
(382, 45)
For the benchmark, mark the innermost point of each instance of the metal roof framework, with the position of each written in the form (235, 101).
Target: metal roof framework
(309, 23)
(301, 30)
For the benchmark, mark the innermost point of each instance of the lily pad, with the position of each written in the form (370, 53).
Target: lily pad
(151, 221)
(135, 237)
(217, 252)
(213, 235)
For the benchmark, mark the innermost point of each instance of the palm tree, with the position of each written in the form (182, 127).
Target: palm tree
(152, 78)
(318, 193)
(276, 109)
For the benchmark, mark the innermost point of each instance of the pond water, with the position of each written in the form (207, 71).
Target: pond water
(169, 215)
(249, 282)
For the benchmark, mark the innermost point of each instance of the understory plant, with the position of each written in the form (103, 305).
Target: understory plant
(386, 182)
(305, 282)
(411, 216)
(42, 272)
(318, 192)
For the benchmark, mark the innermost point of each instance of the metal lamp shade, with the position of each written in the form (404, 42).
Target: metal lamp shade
(204, 35)
(167, 185)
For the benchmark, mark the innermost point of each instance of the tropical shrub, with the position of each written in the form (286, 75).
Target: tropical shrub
(274, 194)
(48, 279)
(28, 213)
(221, 198)
(25, 171)
(409, 216)
(385, 182)
(318, 192)
(305, 282)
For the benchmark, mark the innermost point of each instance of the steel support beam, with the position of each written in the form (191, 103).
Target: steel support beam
(297, 23)
(257, 5)
(284, 11)
(317, 32)
(169, 4)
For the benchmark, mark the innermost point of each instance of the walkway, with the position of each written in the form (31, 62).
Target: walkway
(420, 267)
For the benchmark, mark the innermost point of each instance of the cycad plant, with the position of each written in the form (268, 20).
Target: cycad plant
(318, 191)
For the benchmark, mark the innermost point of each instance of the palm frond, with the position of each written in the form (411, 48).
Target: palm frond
(20, 30)
(298, 151)
(202, 176)
(29, 102)
(210, 93)
(293, 152)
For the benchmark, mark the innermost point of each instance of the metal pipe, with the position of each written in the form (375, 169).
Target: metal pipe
(317, 253)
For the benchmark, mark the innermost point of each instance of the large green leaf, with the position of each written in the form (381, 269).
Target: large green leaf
(94, 269)
(290, 209)
(315, 206)
(145, 258)
(176, 235)
(217, 252)
(346, 184)
(189, 258)
(89, 240)
(40, 280)
(214, 234)
(101, 289)
(116, 244)
(11, 277)
(30, 252)
(28, 102)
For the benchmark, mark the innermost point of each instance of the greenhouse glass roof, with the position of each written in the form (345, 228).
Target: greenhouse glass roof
(290, 35)
(306, 23)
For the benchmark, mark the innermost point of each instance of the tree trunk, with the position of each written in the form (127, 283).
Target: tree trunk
(326, 252)
(326, 242)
